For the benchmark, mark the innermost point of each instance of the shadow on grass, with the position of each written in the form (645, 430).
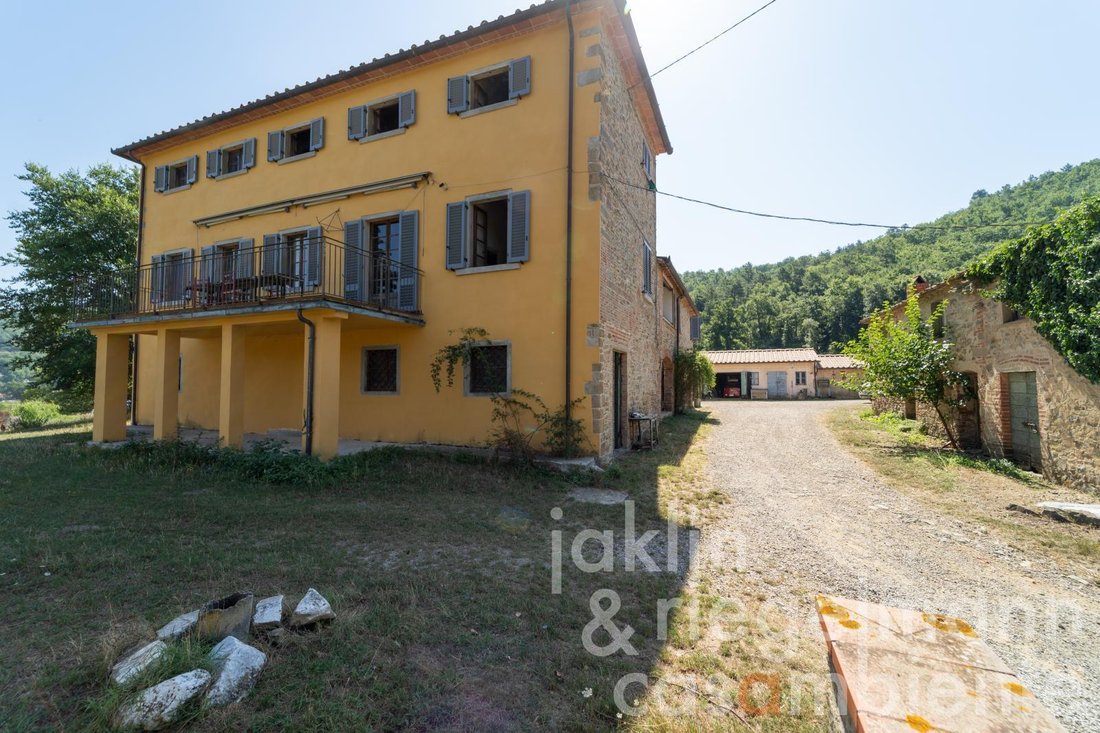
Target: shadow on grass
(441, 569)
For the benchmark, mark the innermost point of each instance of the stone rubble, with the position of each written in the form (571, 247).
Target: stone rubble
(178, 627)
(160, 705)
(312, 608)
(238, 667)
(229, 616)
(137, 661)
(1070, 512)
(269, 613)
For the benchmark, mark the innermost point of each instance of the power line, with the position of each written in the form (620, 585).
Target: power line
(834, 222)
(706, 43)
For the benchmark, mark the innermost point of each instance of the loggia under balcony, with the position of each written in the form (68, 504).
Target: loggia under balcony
(285, 273)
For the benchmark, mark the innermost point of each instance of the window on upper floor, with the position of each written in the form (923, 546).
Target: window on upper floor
(668, 303)
(298, 141)
(489, 230)
(489, 369)
(383, 116)
(647, 160)
(175, 176)
(647, 269)
(230, 159)
(490, 87)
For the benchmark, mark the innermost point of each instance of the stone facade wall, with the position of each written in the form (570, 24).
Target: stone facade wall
(629, 318)
(989, 349)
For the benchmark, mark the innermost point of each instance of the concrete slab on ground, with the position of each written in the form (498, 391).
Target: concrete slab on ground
(908, 670)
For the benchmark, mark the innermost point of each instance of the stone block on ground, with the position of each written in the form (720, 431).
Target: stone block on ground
(238, 666)
(269, 613)
(179, 626)
(311, 609)
(1070, 512)
(229, 616)
(137, 661)
(161, 705)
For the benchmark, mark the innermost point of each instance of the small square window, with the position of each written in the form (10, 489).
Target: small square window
(380, 370)
(383, 118)
(800, 378)
(177, 175)
(487, 370)
(489, 88)
(297, 142)
(232, 159)
(1009, 314)
(489, 230)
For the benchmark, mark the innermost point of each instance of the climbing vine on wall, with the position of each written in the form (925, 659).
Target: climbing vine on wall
(1052, 276)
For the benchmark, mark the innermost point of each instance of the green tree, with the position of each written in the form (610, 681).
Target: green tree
(76, 226)
(904, 360)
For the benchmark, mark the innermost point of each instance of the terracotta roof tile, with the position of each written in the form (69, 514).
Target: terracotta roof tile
(760, 356)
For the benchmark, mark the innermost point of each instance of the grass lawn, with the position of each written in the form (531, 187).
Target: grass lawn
(438, 567)
(974, 489)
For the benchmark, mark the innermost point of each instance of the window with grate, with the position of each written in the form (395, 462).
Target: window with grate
(487, 370)
(380, 370)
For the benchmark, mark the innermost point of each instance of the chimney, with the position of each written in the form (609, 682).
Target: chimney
(920, 284)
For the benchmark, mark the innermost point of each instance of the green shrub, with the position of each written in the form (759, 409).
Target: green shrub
(35, 413)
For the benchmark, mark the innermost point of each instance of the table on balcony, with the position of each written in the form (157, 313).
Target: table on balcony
(244, 289)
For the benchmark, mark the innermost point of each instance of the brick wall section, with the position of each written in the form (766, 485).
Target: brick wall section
(629, 319)
(1069, 405)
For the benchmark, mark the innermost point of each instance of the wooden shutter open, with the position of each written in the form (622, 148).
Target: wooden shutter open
(519, 77)
(696, 328)
(456, 236)
(406, 109)
(192, 169)
(160, 178)
(458, 94)
(272, 261)
(317, 133)
(315, 254)
(353, 259)
(275, 145)
(408, 245)
(206, 265)
(244, 258)
(519, 226)
(213, 163)
(357, 122)
(249, 154)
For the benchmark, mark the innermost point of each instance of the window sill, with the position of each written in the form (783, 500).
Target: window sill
(367, 393)
(506, 394)
(488, 268)
(648, 297)
(382, 135)
(177, 189)
(294, 158)
(489, 108)
(234, 174)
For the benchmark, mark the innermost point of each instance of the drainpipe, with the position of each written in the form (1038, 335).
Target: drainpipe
(141, 235)
(311, 348)
(569, 219)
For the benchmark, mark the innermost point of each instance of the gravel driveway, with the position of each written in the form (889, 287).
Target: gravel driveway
(808, 518)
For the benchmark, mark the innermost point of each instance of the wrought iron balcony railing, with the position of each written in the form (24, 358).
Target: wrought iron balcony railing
(241, 275)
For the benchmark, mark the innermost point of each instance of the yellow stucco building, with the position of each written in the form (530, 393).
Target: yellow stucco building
(302, 257)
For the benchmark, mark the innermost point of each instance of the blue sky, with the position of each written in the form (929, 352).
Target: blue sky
(867, 110)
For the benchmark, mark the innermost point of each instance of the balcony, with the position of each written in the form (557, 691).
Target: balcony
(291, 272)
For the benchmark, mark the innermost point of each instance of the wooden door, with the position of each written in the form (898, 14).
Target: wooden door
(1024, 415)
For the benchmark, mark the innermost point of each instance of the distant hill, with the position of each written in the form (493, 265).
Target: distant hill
(817, 300)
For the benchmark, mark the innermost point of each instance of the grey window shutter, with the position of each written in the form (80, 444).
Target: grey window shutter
(315, 254)
(160, 178)
(458, 94)
(213, 163)
(317, 134)
(519, 226)
(192, 169)
(353, 259)
(275, 145)
(696, 328)
(272, 261)
(406, 109)
(519, 77)
(357, 122)
(647, 269)
(244, 258)
(249, 153)
(206, 265)
(409, 241)
(647, 160)
(185, 272)
(456, 236)
(157, 279)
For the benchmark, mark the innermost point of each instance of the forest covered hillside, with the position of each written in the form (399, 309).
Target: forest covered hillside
(818, 300)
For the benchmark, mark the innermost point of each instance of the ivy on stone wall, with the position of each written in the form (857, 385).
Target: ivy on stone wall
(1052, 276)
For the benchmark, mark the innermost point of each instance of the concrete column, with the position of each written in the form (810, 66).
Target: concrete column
(166, 387)
(326, 386)
(112, 382)
(231, 401)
